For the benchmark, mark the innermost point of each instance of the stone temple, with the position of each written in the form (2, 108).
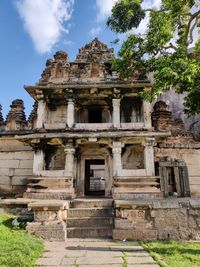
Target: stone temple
(95, 160)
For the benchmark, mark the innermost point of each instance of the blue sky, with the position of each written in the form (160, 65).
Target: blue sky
(31, 33)
(33, 30)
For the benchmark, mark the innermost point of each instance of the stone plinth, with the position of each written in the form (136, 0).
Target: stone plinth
(161, 219)
(51, 231)
(49, 219)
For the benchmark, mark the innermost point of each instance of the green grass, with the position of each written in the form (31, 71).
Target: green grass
(174, 254)
(17, 247)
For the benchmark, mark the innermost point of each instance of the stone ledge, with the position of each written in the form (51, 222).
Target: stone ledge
(49, 205)
(170, 203)
(13, 202)
(195, 203)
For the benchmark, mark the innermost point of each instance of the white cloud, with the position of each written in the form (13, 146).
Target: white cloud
(104, 8)
(44, 20)
(151, 4)
(68, 42)
(95, 31)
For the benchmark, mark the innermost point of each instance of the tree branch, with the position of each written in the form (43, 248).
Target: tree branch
(189, 29)
(171, 46)
(194, 15)
(190, 41)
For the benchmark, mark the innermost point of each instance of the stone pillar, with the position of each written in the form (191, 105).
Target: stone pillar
(69, 160)
(38, 162)
(116, 112)
(147, 114)
(117, 160)
(149, 156)
(41, 114)
(70, 113)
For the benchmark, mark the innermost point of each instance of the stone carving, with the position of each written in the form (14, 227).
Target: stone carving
(162, 120)
(33, 116)
(1, 116)
(92, 62)
(161, 117)
(56, 69)
(95, 51)
(16, 118)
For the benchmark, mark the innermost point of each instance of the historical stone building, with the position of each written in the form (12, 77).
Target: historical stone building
(91, 145)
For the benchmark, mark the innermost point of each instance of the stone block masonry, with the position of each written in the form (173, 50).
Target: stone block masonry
(157, 220)
(16, 164)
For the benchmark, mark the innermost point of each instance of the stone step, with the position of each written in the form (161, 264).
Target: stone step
(50, 178)
(91, 203)
(137, 179)
(94, 222)
(136, 184)
(89, 232)
(127, 195)
(46, 190)
(90, 212)
(48, 185)
(49, 182)
(48, 195)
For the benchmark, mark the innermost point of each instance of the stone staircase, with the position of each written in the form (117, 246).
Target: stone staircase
(43, 187)
(90, 218)
(137, 187)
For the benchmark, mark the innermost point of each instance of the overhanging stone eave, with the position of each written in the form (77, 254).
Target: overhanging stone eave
(102, 134)
(82, 84)
(31, 89)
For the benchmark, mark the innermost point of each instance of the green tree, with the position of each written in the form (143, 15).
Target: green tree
(164, 49)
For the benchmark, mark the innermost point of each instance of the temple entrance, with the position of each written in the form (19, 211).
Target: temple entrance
(95, 177)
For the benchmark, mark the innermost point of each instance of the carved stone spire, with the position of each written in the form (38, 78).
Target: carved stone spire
(33, 116)
(161, 117)
(16, 118)
(95, 51)
(56, 70)
(162, 120)
(1, 116)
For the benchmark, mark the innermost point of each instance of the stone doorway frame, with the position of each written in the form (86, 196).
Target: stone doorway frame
(81, 174)
(88, 163)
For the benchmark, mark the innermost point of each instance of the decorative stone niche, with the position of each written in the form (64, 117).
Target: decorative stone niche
(54, 157)
(133, 157)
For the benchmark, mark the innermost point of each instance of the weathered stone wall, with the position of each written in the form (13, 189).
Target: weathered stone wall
(191, 156)
(57, 116)
(16, 164)
(160, 219)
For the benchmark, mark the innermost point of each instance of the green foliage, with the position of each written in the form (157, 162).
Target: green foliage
(129, 9)
(164, 49)
(174, 254)
(17, 248)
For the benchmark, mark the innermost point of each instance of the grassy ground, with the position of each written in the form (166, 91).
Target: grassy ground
(17, 248)
(175, 254)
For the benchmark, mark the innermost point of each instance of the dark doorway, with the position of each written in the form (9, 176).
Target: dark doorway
(95, 177)
(171, 181)
(95, 116)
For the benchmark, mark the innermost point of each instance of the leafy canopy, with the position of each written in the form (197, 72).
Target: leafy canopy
(169, 48)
